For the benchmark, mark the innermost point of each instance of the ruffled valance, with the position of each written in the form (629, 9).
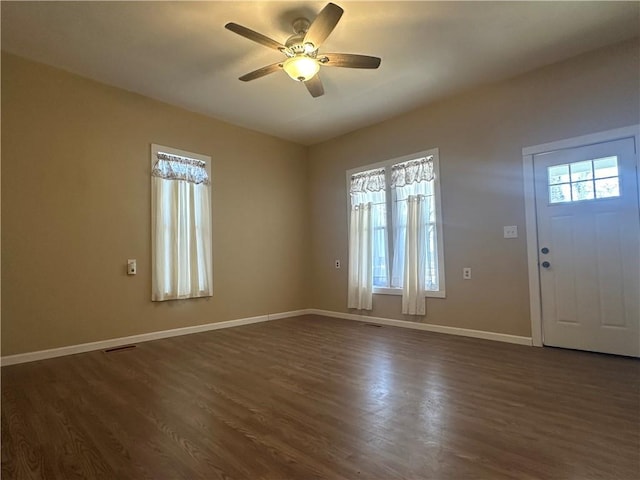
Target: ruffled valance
(369, 181)
(171, 167)
(413, 171)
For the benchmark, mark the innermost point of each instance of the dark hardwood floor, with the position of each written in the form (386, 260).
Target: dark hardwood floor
(315, 397)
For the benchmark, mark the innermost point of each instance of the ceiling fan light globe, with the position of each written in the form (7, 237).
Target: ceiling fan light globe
(301, 68)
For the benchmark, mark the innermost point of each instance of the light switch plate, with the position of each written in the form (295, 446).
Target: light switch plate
(511, 231)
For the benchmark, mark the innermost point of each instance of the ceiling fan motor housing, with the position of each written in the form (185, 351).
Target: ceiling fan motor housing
(295, 43)
(301, 25)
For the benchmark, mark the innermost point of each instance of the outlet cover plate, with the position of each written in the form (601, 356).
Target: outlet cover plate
(511, 231)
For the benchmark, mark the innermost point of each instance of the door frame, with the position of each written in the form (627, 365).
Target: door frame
(531, 224)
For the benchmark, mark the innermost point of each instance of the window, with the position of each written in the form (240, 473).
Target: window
(181, 224)
(395, 213)
(585, 180)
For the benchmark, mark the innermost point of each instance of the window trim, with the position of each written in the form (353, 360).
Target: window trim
(387, 164)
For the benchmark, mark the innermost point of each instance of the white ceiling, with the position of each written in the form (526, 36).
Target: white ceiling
(180, 52)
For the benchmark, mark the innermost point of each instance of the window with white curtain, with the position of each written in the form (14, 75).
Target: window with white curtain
(395, 232)
(368, 262)
(180, 224)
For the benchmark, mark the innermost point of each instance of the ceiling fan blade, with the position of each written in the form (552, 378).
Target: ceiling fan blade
(349, 60)
(255, 36)
(261, 72)
(323, 25)
(314, 85)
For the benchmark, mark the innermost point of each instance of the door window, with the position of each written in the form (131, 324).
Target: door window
(585, 180)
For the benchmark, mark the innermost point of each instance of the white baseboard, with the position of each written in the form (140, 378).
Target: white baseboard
(465, 332)
(144, 337)
(295, 313)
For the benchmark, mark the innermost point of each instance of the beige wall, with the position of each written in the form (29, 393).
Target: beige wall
(76, 200)
(480, 135)
(76, 206)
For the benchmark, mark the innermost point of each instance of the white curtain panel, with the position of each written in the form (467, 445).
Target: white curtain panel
(401, 213)
(181, 237)
(415, 256)
(377, 198)
(412, 184)
(361, 258)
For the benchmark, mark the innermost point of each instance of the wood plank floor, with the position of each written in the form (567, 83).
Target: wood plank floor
(313, 397)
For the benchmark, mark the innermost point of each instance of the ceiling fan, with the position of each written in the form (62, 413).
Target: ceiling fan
(301, 49)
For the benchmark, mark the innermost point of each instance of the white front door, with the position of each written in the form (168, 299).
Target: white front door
(588, 223)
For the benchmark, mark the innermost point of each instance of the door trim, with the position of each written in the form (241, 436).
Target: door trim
(535, 297)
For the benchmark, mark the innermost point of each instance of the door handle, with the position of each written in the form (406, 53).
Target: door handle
(546, 264)
(545, 250)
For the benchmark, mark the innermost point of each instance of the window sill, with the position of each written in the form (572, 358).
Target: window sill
(398, 291)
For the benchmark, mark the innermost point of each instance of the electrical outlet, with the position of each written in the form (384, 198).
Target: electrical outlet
(131, 267)
(337, 263)
(511, 231)
(466, 273)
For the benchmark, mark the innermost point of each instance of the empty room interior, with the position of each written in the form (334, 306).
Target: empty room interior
(228, 252)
